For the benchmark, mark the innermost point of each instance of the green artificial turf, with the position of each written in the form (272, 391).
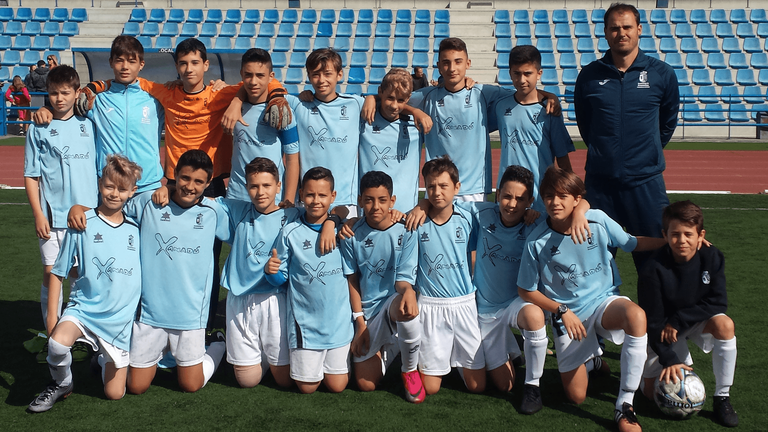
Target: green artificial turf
(737, 224)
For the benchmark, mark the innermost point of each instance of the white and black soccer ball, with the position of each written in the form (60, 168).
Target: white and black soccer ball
(683, 398)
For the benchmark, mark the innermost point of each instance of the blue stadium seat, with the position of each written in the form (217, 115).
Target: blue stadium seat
(325, 30)
(600, 31)
(585, 45)
(402, 30)
(704, 30)
(214, 16)
(252, 16)
(502, 31)
(328, 16)
(423, 16)
(548, 61)
(677, 16)
(343, 56)
(695, 61)
(165, 42)
(689, 45)
(436, 44)
(441, 31)
(662, 30)
(699, 16)
(383, 30)
(731, 45)
(170, 29)
(700, 77)
(145, 41)
(267, 30)
(42, 15)
(22, 43)
(401, 45)
(560, 16)
(59, 15)
(762, 77)
(648, 45)
(404, 16)
(691, 113)
(421, 45)
(602, 45)
(442, 17)
(11, 58)
(341, 44)
(41, 43)
(587, 58)
(70, 29)
(279, 60)
(156, 16)
(399, 59)
(730, 94)
(682, 77)
(522, 31)
(228, 30)
(724, 30)
(714, 113)
(208, 42)
(355, 89)
(717, 16)
(521, 17)
(79, 15)
(686, 94)
(361, 45)
(372, 89)
(151, 29)
(523, 41)
(356, 75)
(308, 16)
(5, 42)
(549, 77)
(675, 60)
(654, 55)
(384, 16)
(294, 76)
(60, 43)
(643, 16)
(363, 30)
(263, 43)
(305, 30)
(321, 42)
(301, 44)
(758, 16)
(285, 30)
(724, 77)
(544, 45)
(138, 15)
(346, 16)
(208, 30)
(598, 16)
(503, 45)
(176, 16)
(298, 60)
(247, 30)
(365, 16)
(51, 28)
(502, 61)
(6, 14)
(542, 31)
(668, 45)
(565, 45)
(271, 16)
(762, 30)
(752, 45)
(223, 43)
(716, 61)
(130, 29)
(568, 61)
(379, 59)
(683, 30)
(738, 114)
(738, 16)
(707, 95)
(562, 31)
(381, 44)
(582, 30)
(195, 16)
(344, 30)
(501, 17)
(579, 16)
(282, 44)
(30, 58)
(658, 16)
(540, 16)
(420, 59)
(188, 30)
(744, 30)
(754, 94)
(290, 16)
(233, 16)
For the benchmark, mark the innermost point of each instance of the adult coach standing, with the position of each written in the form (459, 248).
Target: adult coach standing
(626, 109)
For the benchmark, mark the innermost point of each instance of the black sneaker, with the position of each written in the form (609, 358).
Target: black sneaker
(531, 400)
(81, 351)
(724, 411)
(52, 394)
(599, 368)
(626, 419)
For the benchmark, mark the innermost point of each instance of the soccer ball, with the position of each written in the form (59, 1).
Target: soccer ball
(683, 398)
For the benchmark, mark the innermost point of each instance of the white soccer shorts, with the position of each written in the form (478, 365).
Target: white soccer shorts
(383, 336)
(49, 249)
(310, 366)
(499, 343)
(256, 328)
(149, 344)
(119, 357)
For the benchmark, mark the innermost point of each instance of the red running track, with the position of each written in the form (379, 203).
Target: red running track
(690, 170)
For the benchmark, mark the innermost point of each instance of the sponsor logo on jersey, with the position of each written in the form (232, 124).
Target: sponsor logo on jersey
(513, 139)
(107, 269)
(243, 139)
(642, 80)
(319, 138)
(83, 131)
(98, 238)
(444, 126)
(368, 243)
(571, 275)
(256, 251)
(131, 244)
(435, 265)
(199, 222)
(64, 154)
(384, 156)
(379, 269)
(603, 82)
(168, 247)
(318, 273)
(307, 244)
(705, 277)
(165, 217)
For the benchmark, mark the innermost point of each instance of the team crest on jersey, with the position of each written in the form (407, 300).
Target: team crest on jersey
(554, 251)
(131, 243)
(314, 111)
(368, 243)
(376, 129)
(642, 80)
(282, 220)
(400, 241)
(145, 115)
(199, 221)
(406, 134)
(424, 237)
(307, 244)
(460, 238)
(705, 277)
(467, 101)
(591, 243)
(343, 113)
(165, 217)
(521, 233)
(317, 274)
(83, 130)
(98, 238)
(535, 116)
(441, 102)
(54, 132)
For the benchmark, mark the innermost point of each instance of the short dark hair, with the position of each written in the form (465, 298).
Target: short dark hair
(374, 179)
(519, 174)
(63, 75)
(621, 8)
(318, 173)
(121, 170)
(440, 165)
(124, 45)
(40, 63)
(684, 211)
(524, 54)
(190, 45)
(256, 55)
(452, 44)
(559, 181)
(321, 57)
(195, 159)
(261, 165)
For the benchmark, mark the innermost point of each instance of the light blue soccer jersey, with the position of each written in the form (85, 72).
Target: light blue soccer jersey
(460, 131)
(108, 283)
(259, 140)
(252, 235)
(329, 134)
(319, 314)
(580, 276)
(530, 138)
(129, 121)
(499, 251)
(177, 260)
(393, 148)
(381, 258)
(445, 254)
(63, 155)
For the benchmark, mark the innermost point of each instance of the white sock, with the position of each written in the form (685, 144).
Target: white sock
(212, 359)
(724, 365)
(59, 362)
(102, 360)
(409, 340)
(535, 347)
(633, 355)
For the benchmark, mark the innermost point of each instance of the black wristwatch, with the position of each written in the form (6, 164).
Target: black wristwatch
(560, 311)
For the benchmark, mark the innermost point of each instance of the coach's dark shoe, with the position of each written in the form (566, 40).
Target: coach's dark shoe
(626, 419)
(724, 411)
(52, 394)
(531, 400)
